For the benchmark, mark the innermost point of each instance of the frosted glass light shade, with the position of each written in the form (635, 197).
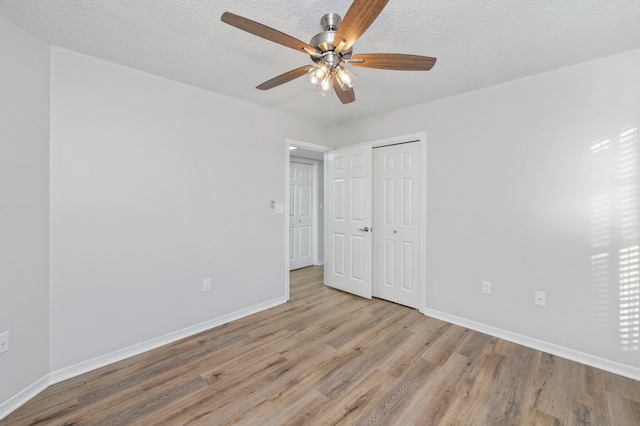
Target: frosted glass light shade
(346, 78)
(318, 74)
(326, 89)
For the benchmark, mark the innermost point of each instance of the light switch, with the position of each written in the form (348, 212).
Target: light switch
(279, 208)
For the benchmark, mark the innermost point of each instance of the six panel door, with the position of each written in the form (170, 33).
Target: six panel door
(396, 223)
(348, 242)
(301, 244)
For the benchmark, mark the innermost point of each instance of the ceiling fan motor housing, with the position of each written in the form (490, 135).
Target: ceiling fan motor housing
(324, 40)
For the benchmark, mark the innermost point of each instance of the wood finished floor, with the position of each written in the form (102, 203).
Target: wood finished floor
(329, 358)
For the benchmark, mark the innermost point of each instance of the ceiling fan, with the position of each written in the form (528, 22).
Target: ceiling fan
(332, 50)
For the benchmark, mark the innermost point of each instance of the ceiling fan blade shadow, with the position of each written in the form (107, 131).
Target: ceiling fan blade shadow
(359, 17)
(346, 96)
(284, 78)
(394, 61)
(265, 32)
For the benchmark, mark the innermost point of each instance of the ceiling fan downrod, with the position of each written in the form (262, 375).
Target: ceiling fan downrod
(331, 62)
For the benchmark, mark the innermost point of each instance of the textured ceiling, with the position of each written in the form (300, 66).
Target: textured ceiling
(477, 43)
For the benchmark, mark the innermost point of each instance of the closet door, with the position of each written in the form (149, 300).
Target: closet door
(396, 211)
(348, 241)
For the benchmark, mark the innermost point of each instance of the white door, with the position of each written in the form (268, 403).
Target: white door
(396, 207)
(301, 244)
(348, 242)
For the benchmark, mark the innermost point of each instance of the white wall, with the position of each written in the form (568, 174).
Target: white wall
(156, 185)
(24, 208)
(519, 195)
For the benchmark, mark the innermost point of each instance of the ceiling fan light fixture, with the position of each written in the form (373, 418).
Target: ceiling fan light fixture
(332, 49)
(319, 73)
(326, 88)
(346, 78)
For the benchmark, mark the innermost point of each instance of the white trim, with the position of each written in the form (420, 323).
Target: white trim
(325, 173)
(316, 219)
(28, 393)
(23, 397)
(119, 355)
(418, 137)
(423, 219)
(421, 136)
(307, 145)
(561, 351)
(287, 174)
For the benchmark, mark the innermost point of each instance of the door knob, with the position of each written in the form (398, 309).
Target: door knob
(365, 229)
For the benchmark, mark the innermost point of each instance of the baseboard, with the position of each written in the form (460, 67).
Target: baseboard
(119, 355)
(25, 395)
(573, 355)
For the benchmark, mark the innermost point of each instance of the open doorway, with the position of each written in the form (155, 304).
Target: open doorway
(304, 206)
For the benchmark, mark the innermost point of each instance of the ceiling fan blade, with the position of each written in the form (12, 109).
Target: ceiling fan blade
(394, 61)
(265, 32)
(284, 78)
(360, 15)
(347, 96)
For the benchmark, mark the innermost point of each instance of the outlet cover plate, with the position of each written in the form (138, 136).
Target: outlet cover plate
(486, 287)
(4, 342)
(206, 285)
(540, 298)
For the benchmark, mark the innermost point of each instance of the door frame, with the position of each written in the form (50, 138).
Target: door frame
(421, 137)
(312, 147)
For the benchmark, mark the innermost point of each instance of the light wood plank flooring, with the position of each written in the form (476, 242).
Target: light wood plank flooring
(329, 358)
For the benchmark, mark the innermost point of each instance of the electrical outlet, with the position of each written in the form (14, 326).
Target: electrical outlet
(486, 287)
(4, 342)
(540, 298)
(206, 285)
